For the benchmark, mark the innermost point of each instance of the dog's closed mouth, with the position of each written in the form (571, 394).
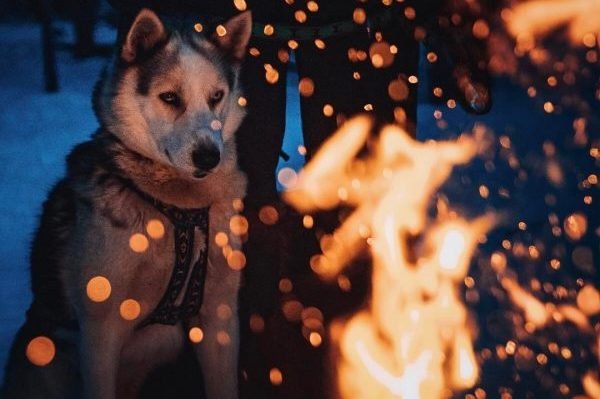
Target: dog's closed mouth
(168, 154)
(200, 174)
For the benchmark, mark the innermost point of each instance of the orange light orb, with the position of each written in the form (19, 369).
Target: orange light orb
(40, 351)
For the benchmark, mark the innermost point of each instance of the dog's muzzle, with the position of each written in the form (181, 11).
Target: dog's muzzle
(205, 158)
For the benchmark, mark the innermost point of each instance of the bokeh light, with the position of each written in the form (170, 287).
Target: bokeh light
(155, 229)
(276, 376)
(236, 260)
(130, 309)
(196, 335)
(238, 225)
(268, 215)
(40, 351)
(98, 289)
(221, 30)
(138, 242)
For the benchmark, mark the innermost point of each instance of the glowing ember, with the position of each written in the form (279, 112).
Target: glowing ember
(315, 339)
(398, 90)
(275, 376)
(98, 289)
(196, 335)
(300, 16)
(224, 311)
(130, 309)
(328, 110)
(539, 314)
(380, 54)
(481, 29)
(292, 310)
(359, 16)
(415, 325)
(268, 30)
(312, 6)
(236, 260)
(575, 226)
(257, 323)
(138, 243)
(283, 56)
(271, 74)
(221, 239)
(292, 44)
(308, 221)
(238, 225)
(410, 13)
(240, 4)
(40, 351)
(220, 30)
(588, 300)
(306, 87)
(268, 215)
(155, 229)
(285, 285)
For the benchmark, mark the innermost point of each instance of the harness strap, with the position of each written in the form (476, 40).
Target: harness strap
(185, 222)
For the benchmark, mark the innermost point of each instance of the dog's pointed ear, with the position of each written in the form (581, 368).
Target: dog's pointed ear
(234, 38)
(145, 33)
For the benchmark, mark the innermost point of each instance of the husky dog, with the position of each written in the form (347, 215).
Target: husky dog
(126, 251)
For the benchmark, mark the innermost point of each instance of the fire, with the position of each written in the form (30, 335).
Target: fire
(452, 248)
(541, 314)
(412, 341)
(537, 18)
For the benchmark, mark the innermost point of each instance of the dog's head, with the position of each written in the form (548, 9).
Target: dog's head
(172, 94)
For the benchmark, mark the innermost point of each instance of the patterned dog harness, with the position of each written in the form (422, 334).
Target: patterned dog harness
(185, 222)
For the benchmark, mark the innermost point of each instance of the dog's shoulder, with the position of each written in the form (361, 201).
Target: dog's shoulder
(97, 183)
(91, 159)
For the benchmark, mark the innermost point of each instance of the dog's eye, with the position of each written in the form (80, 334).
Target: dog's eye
(216, 97)
(171, 98)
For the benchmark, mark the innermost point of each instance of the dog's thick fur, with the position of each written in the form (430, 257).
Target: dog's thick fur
(169, 99)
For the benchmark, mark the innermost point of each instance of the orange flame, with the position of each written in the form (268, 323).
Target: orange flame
(537, 18)
(414, 329)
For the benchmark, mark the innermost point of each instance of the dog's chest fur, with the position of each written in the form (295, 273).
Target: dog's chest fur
(109, 215)
(99, 213)
(116, 220)
(96, 214)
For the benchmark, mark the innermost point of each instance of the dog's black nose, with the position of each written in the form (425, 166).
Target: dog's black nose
(206, 157)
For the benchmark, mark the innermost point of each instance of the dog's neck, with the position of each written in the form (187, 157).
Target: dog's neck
(167, 185)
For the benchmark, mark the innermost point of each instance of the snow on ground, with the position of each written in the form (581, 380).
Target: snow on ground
(37, 131)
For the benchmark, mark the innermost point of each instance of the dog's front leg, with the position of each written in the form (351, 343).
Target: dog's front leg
(218, 352)
(101, 344)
